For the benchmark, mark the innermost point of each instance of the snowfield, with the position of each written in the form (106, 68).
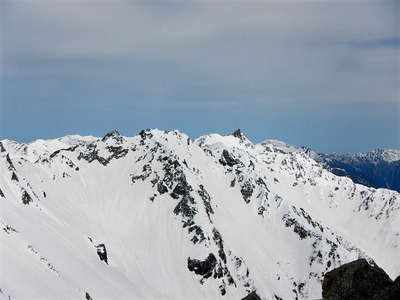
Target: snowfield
(160, 216)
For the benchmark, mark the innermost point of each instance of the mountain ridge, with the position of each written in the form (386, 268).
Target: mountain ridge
(173, 215)
(378, 168)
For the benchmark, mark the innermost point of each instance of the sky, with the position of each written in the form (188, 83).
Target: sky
(323, 74)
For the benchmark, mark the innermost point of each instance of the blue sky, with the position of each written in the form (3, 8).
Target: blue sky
(323, 74)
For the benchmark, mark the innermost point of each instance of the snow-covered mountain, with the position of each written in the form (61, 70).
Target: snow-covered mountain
(379, 168)
(159, 216)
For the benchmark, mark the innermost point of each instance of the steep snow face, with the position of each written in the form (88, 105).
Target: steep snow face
(159, 216)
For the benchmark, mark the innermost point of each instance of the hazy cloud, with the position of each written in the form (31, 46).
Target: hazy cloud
(202, 53)
(303, 46)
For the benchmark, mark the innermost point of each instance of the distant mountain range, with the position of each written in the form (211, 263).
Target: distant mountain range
(378, 168)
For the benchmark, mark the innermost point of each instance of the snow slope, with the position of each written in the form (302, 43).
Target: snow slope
(159, 216)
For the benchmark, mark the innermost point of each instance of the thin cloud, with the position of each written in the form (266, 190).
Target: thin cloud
(243, 52)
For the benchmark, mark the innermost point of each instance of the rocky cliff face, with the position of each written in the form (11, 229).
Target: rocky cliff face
(359, 280)
(159, 215)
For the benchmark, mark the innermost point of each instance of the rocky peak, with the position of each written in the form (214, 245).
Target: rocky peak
(238, 133)
(111, 134)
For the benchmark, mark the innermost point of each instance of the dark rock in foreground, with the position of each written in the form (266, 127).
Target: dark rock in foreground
(390, 293)
(252, 296)
(359, 280)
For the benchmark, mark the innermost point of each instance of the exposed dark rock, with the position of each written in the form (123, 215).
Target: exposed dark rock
(68, 162)
(173, 171)
(9, 229)
(391, 292)
(261, 182)
(146, 133)
(2, 149)
(87, 296)
(55, 153)
(111, 134)
(174, 179)
(70, 149)
(181, 189)
(227, 160)
(174, 174)
(358, 280)
(302, 213)
(222, 290)
(26, 198)
(102, 252)
(247, 191)
(202, 267)
(199, 234)
(211, 267)
(117, 152)
(185, 209)
(10, 163)
(300, 288)
(251, 165)
(220, 243)
(206, 200)
(298, 228)
(161, 188)
(252, 296)
(146, 171)
(2, 194)
(91, 153)
(238, 133)
(155, 180)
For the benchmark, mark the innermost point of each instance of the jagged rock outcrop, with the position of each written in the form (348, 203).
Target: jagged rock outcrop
(359, 280)
(102, 252)
(252, 296)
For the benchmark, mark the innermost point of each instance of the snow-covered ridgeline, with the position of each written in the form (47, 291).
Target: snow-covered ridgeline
(161, 216)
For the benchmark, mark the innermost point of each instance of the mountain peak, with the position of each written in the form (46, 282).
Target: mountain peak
(113, 133)
(238, 133)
